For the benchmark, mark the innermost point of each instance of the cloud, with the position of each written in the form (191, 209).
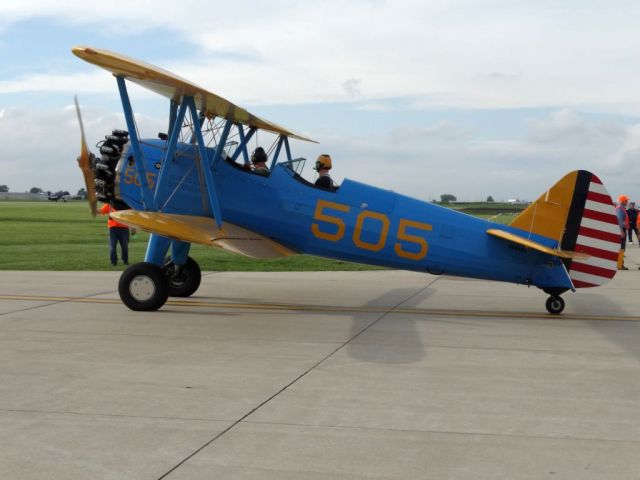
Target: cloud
(391, 60)
(445, 157)
(96, 81)
(461, 54)
(39, 147)
(504, 76)
(375, 107)
(352, 87)
(422, 160)
(440, 132)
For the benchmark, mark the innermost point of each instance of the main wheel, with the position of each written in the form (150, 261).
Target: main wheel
(555, 305)
(184, 280)
(143, 287)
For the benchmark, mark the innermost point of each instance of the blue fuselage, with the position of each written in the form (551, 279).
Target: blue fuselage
(357, 223)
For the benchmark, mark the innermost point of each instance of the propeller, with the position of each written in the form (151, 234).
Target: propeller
(84, 162)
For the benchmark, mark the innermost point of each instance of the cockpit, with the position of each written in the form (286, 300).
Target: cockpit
(293, 167)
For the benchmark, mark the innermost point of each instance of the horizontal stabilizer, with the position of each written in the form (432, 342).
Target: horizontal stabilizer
(525, 242)
(203, 230)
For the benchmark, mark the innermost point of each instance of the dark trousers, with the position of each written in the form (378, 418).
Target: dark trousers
(119, 235)
(630, 230)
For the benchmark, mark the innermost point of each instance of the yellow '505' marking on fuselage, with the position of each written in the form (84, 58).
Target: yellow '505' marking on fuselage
(321, 216)
(130, 176)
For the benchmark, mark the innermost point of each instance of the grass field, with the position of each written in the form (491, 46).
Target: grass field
(63, 236)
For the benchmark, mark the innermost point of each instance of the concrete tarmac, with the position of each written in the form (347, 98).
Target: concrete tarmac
(320, 375)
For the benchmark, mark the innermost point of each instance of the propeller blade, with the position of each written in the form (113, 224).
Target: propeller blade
(84, 162)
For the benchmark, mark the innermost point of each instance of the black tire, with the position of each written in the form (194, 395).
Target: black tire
(187, 283)
(143, 287)
(555, 305)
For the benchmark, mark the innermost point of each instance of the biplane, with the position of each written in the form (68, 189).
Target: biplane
(192, 184)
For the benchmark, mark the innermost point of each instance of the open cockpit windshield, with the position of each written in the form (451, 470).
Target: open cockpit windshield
(295, 165)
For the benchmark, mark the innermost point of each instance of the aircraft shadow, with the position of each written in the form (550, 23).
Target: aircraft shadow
(625, 334)
(408, 349)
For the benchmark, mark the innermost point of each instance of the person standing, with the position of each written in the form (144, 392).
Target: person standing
(632, 213)
(623, 223)
(118, 233)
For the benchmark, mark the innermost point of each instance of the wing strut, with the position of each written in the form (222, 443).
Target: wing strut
(147, 199)
(277, 153)
(161, 187)
(244, 141)
(206, 168)
(168, 156)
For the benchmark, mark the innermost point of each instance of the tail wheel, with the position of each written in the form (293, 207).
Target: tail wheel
(143, 287)
(184, 280)
(555, 305)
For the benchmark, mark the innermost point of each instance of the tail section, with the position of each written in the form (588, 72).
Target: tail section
(579, 213)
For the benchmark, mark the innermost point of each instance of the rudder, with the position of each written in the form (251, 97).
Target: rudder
(579, 214)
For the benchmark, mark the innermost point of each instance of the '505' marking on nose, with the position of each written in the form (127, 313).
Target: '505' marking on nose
(337, 233)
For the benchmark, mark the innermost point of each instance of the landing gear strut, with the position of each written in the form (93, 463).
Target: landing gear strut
(555, 304)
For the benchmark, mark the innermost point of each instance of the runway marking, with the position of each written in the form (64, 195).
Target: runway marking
(338, 309)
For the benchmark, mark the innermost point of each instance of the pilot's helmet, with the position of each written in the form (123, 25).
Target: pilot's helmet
(323, 162)
(259, 156)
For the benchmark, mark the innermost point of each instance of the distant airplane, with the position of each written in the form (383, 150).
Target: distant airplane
(54, 197)
(187, 187)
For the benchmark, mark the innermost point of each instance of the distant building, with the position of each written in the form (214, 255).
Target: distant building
(22, 196)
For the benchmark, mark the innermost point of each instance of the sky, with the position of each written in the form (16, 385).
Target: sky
(468, 97)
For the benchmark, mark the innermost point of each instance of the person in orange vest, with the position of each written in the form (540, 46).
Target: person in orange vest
(118, 233)
(623, 223)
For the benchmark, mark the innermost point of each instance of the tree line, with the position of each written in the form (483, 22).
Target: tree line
(36, 190)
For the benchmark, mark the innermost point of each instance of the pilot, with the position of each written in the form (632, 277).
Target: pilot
(259, 160)
(323, 165)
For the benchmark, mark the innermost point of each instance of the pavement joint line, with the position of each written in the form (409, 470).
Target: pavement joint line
(208, 338)
(51, 300)
(110, 415)
(327, 308)
(56, 300)
(443, 432)
(213, 338)
(295, 380)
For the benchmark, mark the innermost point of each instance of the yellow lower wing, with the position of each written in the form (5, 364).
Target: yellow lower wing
(203, 230)
(525, 242)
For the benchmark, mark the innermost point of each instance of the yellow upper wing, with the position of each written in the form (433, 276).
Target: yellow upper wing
(171, 86)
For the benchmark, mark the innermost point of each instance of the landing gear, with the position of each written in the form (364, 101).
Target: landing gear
(183, 280)
(143, 287)
(555, 304)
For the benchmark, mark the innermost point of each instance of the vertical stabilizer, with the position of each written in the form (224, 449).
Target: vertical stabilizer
(579, 214)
